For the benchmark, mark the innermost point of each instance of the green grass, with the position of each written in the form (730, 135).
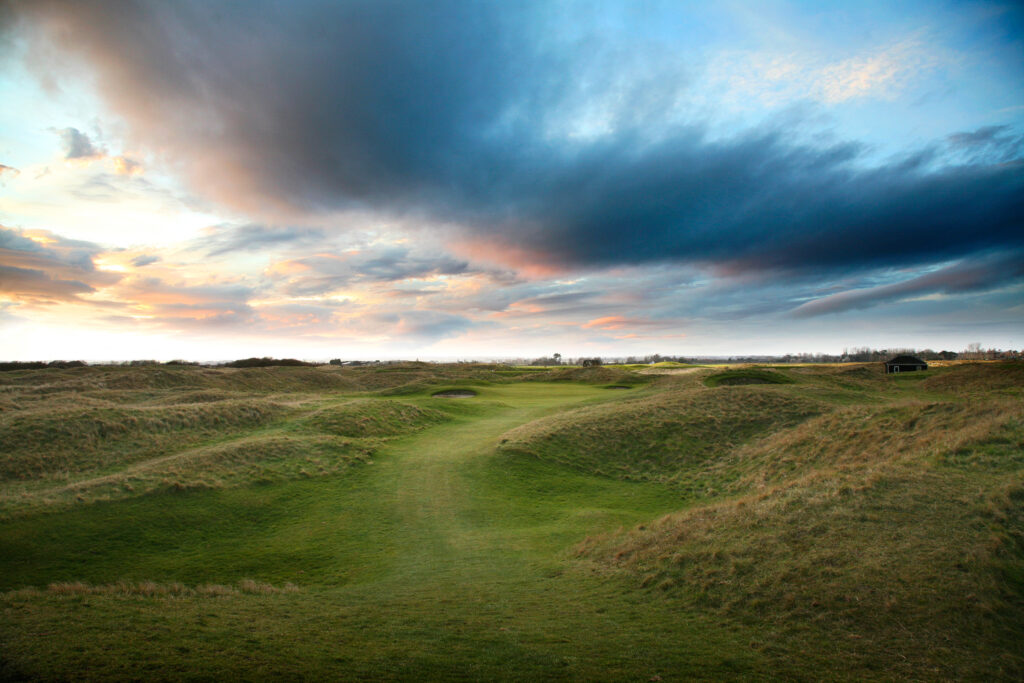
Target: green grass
(844, 525)
(742, 376)
(669, 436)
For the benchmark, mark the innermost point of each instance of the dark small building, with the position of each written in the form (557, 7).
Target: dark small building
(905, 364)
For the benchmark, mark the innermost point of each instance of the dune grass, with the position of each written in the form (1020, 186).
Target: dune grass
(843, 525)
(741, 376)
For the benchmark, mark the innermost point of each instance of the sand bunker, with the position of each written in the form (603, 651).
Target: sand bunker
(455, 393)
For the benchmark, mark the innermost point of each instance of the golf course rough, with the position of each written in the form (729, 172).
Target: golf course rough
(339, 522)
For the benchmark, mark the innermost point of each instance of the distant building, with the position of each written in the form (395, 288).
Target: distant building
(905, 364)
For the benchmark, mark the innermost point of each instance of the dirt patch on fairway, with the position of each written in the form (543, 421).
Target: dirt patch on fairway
(618, 386)
(455, 393)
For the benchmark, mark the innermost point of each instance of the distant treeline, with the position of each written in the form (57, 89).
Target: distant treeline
(38, 364)
(556, 359)
(243, 363)
(862, 354)
(865, 354)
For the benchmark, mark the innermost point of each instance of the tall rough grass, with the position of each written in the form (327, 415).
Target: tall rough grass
(896, 529)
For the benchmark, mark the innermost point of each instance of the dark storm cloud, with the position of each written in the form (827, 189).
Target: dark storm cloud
(445, 111)
(995, 144)
(964, 277)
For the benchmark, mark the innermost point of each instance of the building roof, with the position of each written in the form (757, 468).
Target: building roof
(905, 360)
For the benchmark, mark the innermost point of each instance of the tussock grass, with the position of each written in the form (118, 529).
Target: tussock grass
(665, 437)
(907, 570)
(373, 417)
(867, 436)
(189, 452)
(895, 532)
(972, 378)
(262, 459)
(41, 443)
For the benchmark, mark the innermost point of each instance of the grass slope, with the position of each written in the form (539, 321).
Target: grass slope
(844, 525)
(670, 436)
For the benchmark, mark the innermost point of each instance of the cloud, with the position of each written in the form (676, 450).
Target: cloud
(328, 271)
(126, 166)
(883, 73)
(992, 144)
(228, 239)
(38, 286)
(431, 324)
(471, 116)
(144, 260)
(185, 305)
(8, 171)
(77, 145)
(40, 267)
(608, 322)
(964, 277)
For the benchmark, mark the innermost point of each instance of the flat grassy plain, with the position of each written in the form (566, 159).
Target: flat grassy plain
(814, 522)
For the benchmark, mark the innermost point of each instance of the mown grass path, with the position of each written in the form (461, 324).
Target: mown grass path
(442, 532)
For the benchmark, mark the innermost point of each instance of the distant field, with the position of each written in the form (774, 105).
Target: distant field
(793, 522)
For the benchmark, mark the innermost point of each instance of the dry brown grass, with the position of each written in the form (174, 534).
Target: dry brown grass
(868, 436)
(897, 528)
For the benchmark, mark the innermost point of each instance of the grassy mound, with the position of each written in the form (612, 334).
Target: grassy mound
(667, 437)
(863, 436)
(74, 381)
(975, 378)
(39, 443)
(594, 375)
(372, 417)
(741, 376)
(239, 462)
(894, 533)
(903, 572)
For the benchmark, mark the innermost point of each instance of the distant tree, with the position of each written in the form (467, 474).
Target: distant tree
(558, 358)
(591, 362)
(335, 361)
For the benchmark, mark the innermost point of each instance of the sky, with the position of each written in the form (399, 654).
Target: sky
(469, 180)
